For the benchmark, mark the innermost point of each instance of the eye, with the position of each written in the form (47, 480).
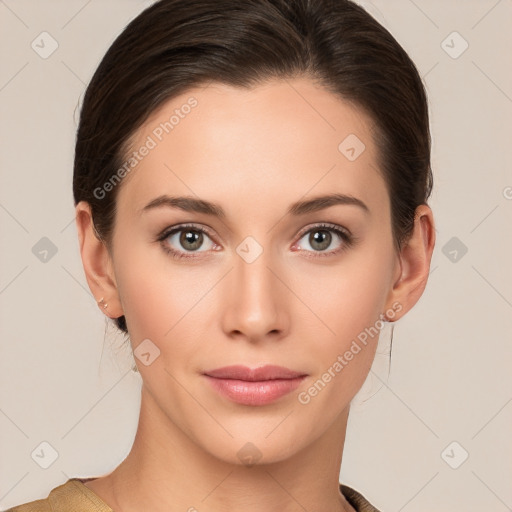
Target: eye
(186, 238)
(321, 237)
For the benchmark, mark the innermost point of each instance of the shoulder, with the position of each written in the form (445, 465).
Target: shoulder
(72, 495)
(357, 500)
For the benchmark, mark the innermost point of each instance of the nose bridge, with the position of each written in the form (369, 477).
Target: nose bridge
(254, 308)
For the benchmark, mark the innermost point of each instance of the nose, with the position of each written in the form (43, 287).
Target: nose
(253, 301)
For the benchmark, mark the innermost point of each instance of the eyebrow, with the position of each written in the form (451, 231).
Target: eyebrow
(192, 204)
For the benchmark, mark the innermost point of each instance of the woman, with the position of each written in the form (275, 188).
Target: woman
(251, 184)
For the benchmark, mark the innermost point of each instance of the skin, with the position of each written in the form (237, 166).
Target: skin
(253, 152)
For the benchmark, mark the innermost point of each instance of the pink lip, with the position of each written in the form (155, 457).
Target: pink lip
(258, 386)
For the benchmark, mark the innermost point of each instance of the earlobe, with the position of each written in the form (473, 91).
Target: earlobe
(97, 263)
(414, 262)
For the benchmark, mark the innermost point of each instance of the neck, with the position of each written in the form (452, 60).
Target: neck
(167, 471)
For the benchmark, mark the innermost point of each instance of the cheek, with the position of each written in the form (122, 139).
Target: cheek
(349, 305)
(349, 299)
(156, 295)
(164, 306)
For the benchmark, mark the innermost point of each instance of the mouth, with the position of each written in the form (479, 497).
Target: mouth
(254, 386)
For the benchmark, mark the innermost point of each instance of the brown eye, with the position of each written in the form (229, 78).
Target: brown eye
(191, 239)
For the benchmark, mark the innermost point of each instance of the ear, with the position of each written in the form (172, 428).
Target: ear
(414, 264)
(97, 263)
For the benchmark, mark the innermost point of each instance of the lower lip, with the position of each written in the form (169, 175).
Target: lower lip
(254, 393)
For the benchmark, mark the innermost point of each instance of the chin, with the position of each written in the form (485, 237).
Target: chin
(253, 450)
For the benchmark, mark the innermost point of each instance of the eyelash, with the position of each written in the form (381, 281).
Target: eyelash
(347, 238)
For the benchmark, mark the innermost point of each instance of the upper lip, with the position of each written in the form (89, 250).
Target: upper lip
(267, 372)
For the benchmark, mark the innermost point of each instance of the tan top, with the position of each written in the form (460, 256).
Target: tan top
(74, 496)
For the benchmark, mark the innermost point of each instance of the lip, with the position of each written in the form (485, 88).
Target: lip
(254, 386)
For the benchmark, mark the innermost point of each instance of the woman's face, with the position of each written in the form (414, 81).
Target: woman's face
(265, 283)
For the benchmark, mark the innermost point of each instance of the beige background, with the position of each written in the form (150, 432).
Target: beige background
(450, 379)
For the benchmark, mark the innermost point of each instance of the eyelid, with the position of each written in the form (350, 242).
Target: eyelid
(327, 225)
(168, 231)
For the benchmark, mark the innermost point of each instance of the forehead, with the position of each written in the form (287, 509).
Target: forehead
(282, 139)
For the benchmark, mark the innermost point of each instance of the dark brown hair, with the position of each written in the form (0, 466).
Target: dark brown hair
(178, 44)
